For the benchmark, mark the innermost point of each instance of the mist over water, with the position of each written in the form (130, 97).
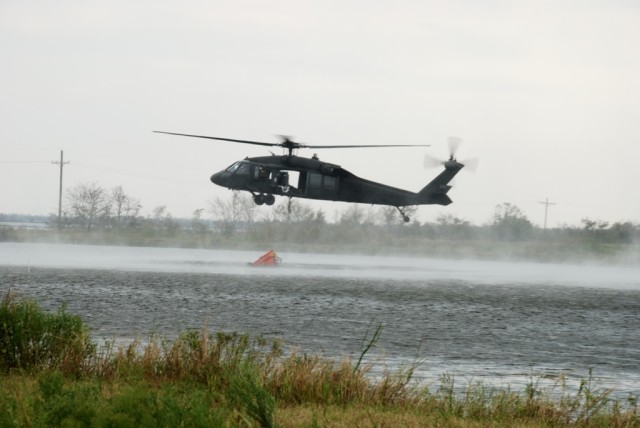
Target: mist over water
(497, 322)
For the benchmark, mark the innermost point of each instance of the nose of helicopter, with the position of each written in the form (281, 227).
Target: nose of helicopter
(216, 178)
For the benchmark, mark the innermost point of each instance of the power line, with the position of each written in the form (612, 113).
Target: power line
(132, 174)
(19, 162)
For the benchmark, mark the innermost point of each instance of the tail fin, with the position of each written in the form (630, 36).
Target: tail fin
(436, 191)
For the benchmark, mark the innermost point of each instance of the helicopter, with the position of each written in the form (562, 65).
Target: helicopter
(267, 176)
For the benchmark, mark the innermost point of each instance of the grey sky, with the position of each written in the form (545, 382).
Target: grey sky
(545, 93)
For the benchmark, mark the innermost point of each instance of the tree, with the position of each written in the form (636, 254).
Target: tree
(590, 225)
(230, 213)
(510, 223)
(452, 227)
(357, 214)
(197, 224)
(163, 220)
(451, 220)
(292, 210)
(293, 220)
(389, 215)
(624, 233)
(619, 233)
(88, 203)
(123, 207)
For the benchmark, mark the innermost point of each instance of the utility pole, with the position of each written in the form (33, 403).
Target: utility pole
(546, 204)
(61, 163)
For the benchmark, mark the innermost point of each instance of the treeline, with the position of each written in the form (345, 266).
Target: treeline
(366, 229)
(92, 213)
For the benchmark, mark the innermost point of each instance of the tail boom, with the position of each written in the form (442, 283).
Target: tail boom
(436, 191)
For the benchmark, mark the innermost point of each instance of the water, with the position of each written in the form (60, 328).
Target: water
(496, 322)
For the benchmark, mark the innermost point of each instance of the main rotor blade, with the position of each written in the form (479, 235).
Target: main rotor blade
(454, 145)
(220, 138)
(288, 144)
(366, 145)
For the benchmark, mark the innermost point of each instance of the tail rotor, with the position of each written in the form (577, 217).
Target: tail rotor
(454, 144)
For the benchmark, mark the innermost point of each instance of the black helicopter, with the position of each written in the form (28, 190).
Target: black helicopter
(266, 176)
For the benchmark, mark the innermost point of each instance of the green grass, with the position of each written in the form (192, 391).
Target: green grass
(52, 375)
(31, 339)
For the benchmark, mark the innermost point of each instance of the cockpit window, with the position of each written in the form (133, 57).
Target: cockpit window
(243, 169)
(233, 167)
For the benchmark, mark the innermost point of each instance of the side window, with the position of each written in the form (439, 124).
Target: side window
(329, 182)
(260, 173)
(315, 180)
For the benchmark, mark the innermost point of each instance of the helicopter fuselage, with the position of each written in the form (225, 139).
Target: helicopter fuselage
(273, 175)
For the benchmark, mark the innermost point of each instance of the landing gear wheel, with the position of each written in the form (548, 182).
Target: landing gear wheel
(258, 199)
(405, 217)
(269, 199)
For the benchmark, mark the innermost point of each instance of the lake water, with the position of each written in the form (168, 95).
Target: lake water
(500, 323)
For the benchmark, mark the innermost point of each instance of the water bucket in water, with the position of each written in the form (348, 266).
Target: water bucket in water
(270, 258)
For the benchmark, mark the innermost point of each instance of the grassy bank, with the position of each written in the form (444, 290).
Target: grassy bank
(52, 374)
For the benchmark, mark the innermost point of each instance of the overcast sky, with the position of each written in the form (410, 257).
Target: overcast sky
(545, 93)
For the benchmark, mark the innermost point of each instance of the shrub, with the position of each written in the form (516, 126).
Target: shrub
(33, 339)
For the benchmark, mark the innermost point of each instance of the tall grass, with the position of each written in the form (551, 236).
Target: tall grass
(53, 376)
(31, 339)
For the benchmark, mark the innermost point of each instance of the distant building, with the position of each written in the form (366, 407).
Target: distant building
(24, 225)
